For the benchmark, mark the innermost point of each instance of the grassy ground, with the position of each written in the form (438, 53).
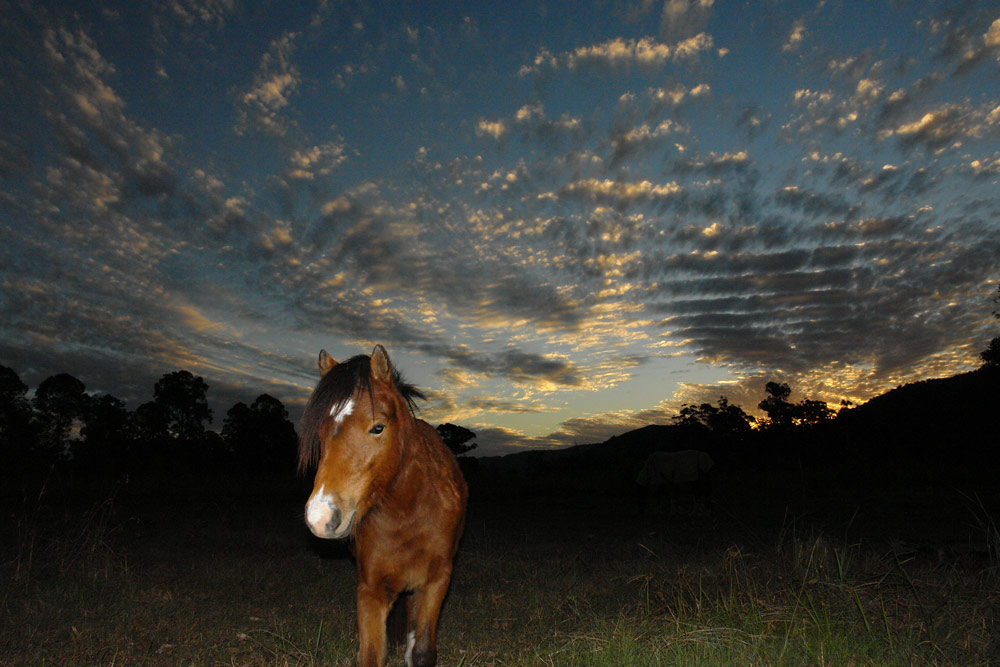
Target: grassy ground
(236, 580)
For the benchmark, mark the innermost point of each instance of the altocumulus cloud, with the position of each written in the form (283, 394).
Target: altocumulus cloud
(673, 197)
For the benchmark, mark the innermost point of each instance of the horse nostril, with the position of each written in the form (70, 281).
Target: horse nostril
(322, 515)
(331, 526)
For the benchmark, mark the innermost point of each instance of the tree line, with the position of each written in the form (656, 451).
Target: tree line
(731, 422)
(61, 424)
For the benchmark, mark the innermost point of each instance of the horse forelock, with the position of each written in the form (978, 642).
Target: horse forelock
(334, 389)
(330, 397)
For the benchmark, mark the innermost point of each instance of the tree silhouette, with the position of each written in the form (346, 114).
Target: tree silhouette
(455, 438)
(725, 421)
(779, 411)
(106, 432)
(238, 433)
(783, 415)
(105, 418)
(730, 419)
(59, 401)
(991, 355)
(260, 436)
(11, 388)
(16, 435)
(148, 424)
(183, 399)
(695, 416)
(809, 412)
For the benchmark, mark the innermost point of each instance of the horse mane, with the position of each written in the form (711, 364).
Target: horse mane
(334, 389)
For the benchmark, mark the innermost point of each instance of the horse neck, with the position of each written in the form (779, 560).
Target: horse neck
(423, 489)
(417, 466)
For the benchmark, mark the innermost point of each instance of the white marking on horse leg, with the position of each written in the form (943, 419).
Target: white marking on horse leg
(411, 639)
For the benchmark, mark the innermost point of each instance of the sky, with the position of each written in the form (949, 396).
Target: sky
(564, 220)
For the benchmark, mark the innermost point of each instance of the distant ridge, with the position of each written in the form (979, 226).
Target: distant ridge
(955, 413)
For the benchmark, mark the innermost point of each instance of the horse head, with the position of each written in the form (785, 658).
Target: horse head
(353, 429)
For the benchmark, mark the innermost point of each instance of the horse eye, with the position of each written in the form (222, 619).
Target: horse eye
(377, 429)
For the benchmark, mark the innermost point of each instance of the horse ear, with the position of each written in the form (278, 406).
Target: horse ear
(326, 362)
(381, 366)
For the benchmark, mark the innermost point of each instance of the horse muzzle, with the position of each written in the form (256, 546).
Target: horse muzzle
(325, 519)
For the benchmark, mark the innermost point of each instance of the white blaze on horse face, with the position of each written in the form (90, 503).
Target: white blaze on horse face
(325, 516)
(344, 411)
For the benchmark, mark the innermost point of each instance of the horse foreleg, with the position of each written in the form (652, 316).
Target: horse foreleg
(373, 608)
(425, 608)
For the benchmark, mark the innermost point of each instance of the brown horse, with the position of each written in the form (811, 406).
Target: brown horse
(386, 479)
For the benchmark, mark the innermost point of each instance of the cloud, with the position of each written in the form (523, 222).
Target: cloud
(621, 53)
(115, 330)
(368, 250)
(825, 110)
(713, 164)
(316, 161)
(118, 229)
(991, 40)
(132, 161)
(499, 441)
(967, 38)
(675, 96)
(658, 217)
(890, 180)
(813, 203)
(207, 11)
(627, 142)
(518, 366)
(752, 121)
(986, 167)
(261, 107)
(619, 193)
(494, 129)
(530, 123)
(797, 310)
(796, 36)
(683, 18)
(861, 96)
(948, 125)
(487, 404)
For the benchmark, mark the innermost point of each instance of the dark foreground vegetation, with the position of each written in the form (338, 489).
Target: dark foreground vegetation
(868, 538)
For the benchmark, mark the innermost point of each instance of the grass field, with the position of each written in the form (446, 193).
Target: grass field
(809, 576)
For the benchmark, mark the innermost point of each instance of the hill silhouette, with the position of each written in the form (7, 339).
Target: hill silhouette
(938, 425)
(955, 416)
(945, 423)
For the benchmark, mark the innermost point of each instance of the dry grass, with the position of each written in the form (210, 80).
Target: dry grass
(239, 582)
